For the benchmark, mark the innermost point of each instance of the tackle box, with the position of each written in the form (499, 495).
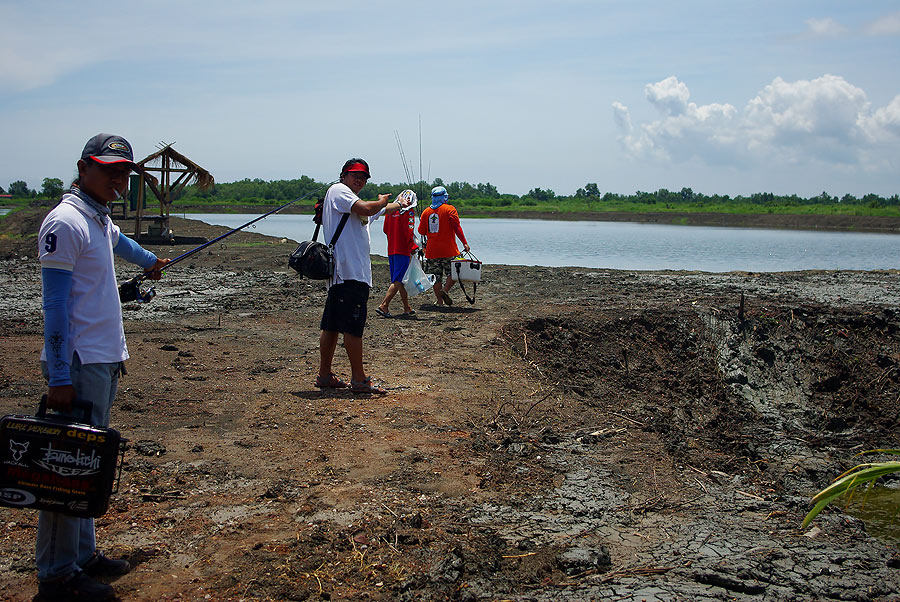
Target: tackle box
(467, 269)
(51, 462)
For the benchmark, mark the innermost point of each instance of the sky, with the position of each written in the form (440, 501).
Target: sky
(731, 98)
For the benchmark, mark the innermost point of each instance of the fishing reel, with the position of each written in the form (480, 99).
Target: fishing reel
(130, 291)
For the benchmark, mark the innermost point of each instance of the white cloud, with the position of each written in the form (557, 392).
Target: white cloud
(826, 28)
(669, 96)
(622, 117)
(885, 122)
(825, 120)
(888, 25)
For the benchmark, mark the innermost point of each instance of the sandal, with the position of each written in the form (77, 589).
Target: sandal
(365, 386)
(383, 313)
(446, 298)
(333, 382)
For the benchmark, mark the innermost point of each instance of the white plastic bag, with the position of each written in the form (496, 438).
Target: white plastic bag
(415, 280)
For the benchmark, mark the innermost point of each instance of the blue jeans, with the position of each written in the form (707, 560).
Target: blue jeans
(65, 543)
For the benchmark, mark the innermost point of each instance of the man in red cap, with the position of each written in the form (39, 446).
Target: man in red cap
(84, 344)
(348, 290)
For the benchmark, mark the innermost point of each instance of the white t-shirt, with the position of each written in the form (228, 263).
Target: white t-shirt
(76, 238)
(351, 251)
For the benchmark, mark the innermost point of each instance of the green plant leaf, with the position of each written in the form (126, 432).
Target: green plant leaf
(849, 481)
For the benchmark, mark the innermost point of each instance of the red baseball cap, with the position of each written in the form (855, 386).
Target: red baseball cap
(356, 165)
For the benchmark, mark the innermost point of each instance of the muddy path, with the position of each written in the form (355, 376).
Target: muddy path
(574, 435)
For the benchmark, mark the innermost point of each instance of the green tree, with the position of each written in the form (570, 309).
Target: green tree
(762, 198)
(487, 190)
(824, 198)
(52, 188)
(20, 189)
(460, 190)
(590, 193)
(611, 197)
(541, 195)
(873, 200)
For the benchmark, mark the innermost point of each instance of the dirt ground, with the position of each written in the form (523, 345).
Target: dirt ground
(576, 434)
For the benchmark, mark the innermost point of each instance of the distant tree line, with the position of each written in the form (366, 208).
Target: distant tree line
(262, 191)
(271, 192)
(688, 196)
(51, 188)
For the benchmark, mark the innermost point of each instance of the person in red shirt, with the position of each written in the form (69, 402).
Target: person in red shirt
(400, 230)
(440, 224)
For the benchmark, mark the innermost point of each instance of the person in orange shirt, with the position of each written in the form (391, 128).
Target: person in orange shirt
(440, 225)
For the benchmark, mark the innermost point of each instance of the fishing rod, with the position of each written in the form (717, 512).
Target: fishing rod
(406, 169)
(421, 178)
(130, 290)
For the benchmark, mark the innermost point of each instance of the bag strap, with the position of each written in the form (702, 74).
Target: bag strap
(469, 254)
(474, 286)
(337, 232)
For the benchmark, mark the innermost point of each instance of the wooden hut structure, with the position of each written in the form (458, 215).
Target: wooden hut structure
(175, 173)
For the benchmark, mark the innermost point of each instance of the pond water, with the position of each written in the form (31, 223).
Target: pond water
(879, 509)
(633, 246)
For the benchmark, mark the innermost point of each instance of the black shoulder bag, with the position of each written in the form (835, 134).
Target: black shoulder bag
(315, 260)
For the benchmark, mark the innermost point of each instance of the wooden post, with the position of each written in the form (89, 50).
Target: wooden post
(139, 213)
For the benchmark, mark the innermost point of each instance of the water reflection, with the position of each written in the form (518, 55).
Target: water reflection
(631, 246)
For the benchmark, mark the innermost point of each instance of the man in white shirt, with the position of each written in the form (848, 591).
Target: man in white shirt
(348, 290)
(84, 344)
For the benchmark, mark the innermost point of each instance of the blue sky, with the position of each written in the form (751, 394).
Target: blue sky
(723, 97)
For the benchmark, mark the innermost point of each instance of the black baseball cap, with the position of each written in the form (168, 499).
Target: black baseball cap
(107, 149)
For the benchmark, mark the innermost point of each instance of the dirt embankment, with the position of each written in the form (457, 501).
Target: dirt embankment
(888, 225)
(575, 434)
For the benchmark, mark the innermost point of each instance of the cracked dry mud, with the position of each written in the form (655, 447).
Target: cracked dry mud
(575, 435)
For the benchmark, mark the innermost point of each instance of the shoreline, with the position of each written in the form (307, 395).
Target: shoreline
(833, 223)
(773, 221)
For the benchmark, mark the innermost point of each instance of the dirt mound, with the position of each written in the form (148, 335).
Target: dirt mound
(657, 368)
(19, 230)
(723, 392)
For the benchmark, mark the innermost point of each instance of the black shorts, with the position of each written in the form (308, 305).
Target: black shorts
(345, 308)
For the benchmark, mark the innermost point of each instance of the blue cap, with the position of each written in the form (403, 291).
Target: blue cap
(438, 191)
